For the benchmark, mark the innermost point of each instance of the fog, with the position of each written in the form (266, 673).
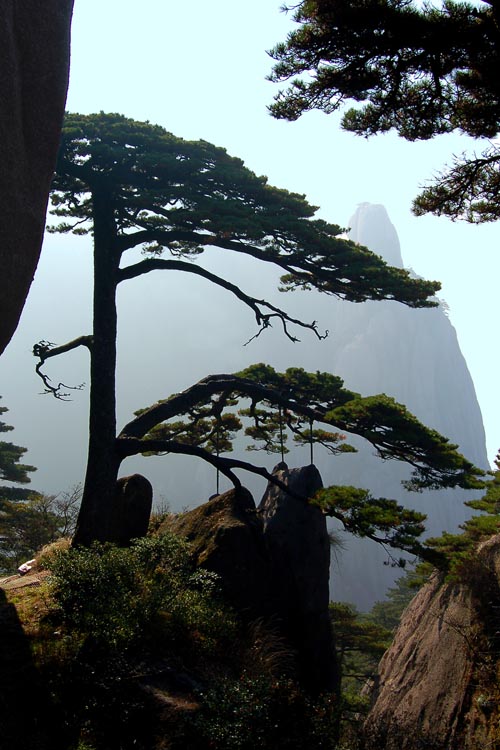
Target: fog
(175, 329)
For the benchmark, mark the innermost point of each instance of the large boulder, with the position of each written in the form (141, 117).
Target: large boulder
(132, 504)
(226, 537)
(297, 539)
(437, 684)
(34, 53)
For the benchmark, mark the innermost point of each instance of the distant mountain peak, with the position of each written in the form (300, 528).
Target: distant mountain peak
(370, 226)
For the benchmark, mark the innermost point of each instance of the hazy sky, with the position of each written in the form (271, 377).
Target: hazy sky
(199, 69)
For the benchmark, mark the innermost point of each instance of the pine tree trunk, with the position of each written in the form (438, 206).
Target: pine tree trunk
(96, 513)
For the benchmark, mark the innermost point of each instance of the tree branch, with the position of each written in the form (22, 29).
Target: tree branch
(333, 266)
(180, 403)
(128, 446)
(45, 350)
(436, 465)
(263, 318)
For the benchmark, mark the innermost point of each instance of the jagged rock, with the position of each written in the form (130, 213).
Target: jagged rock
(438, 684)
(34, 43)
(298, 541)
(132, 508)
(274, 565)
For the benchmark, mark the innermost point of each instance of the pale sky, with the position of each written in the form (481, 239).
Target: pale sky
(199, 70)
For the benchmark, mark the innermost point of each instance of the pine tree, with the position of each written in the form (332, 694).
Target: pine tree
(131, 184)
(418, 69)
(14, 473)
(11, 470)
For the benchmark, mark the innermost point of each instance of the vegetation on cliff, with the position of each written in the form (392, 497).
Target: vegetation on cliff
(136, 648)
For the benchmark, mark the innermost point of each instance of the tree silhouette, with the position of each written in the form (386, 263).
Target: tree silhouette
(131, 184)
(420, 69)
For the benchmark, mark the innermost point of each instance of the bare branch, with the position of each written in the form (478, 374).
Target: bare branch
(131, 447)
(45, 350)
(263, 318)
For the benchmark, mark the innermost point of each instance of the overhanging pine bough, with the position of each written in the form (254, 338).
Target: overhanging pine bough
(421, 69)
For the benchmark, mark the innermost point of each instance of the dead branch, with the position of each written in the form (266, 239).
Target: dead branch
(45, 350)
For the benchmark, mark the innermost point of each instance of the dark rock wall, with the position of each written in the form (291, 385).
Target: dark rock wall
(298, 542)
(34, 67)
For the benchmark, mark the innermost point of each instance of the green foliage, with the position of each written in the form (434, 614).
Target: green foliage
(359, 643)
(292, 402)
(29, 523)
(214, 432)
(420, 69)
(120, 597)
(25, 519)
(458, 551)
(118, 613)
(10, 455)
(167, 194)
(266, 713)
(383, 421)
(380, 519)
(387, 613)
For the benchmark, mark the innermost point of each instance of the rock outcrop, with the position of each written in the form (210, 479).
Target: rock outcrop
(226, 537)
(274, 565)
(34, 44)
(437, 683)
(297, 539)
(133, 500)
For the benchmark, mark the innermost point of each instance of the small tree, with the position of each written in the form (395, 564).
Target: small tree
(11, 470)
(459, 551)
(28, 519)
(132, 184)
(28, 525)
(14, 473)
(420, 69)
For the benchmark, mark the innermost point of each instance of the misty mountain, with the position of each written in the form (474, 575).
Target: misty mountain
(173, 331)
(413, 356)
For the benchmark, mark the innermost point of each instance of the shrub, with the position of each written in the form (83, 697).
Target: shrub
(119, 597)
(264, 713)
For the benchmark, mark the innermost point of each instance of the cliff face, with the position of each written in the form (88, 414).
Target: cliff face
(413, 356)
(437, 684)
(34, 43)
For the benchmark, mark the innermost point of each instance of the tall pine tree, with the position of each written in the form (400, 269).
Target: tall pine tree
(134, 185)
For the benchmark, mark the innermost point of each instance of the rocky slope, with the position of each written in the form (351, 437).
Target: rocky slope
(438, 683)
(274, 563)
